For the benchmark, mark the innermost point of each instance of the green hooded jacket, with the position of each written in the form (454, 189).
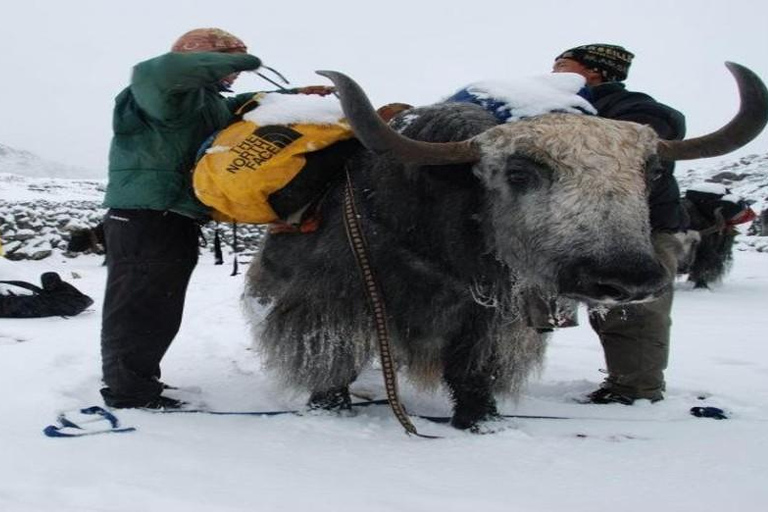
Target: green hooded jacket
(160, 121)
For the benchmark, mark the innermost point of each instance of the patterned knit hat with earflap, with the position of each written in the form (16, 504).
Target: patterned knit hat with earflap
(610, 60)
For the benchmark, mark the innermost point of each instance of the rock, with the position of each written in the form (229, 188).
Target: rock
(728, 177)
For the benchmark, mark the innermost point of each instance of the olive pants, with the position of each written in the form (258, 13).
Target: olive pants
(635, 337)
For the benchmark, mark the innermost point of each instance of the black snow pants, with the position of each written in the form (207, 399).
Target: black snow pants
(149, 262)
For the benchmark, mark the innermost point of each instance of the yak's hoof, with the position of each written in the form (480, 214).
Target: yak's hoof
(493, 425)
(336, 400)
(488, 425)
(469, 417)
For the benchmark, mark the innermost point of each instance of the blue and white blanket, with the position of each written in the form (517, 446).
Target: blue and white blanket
(513, 100)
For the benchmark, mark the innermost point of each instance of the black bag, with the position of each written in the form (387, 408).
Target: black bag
(55, 298)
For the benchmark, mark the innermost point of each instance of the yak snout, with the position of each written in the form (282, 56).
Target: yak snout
(615, 280)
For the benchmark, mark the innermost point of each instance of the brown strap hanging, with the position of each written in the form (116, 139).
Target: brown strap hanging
(359, 247)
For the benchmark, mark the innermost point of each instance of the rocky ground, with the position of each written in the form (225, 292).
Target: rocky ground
(39, 215)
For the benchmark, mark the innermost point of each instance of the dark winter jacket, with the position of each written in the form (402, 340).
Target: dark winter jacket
(172, 105)
(613, 101)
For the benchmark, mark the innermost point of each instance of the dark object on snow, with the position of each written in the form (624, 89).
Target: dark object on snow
(55, 298)
(709, 412)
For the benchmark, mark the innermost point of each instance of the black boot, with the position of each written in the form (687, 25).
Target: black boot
(158, 402)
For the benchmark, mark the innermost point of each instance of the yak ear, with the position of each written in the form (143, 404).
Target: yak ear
(378, 137)
(745, 126)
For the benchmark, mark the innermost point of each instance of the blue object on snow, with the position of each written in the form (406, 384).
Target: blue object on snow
(94, 423)
(709, 412)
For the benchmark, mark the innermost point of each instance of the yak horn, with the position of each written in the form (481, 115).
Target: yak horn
(745, 126)
(378, 137)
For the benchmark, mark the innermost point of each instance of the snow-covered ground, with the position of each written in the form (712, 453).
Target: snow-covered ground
(645, 457)
(608, 457)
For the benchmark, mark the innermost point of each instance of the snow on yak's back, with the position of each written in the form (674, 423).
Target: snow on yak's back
(464, 219)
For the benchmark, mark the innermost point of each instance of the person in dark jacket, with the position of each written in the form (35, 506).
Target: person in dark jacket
(635, 337)
(173, 103)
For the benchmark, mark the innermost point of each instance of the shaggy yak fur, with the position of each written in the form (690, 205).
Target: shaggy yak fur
(556, 205)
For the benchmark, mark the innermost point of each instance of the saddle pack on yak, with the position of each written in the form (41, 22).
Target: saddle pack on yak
(278, 156)
(55, 298)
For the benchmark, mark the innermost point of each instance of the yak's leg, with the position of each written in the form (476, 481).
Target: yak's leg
(331, 392)
(470, 387)
(473, 401)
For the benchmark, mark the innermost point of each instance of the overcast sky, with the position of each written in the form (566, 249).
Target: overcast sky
(64, 62)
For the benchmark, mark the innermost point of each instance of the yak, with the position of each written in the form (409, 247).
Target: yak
(714, 212)
(465, 220)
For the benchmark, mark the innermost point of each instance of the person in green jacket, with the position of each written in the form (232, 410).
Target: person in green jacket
(172, 105)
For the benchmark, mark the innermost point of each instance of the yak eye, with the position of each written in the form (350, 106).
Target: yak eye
(519, 178)
(522, 172)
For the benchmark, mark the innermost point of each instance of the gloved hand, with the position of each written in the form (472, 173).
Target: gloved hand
(390, 110)
(322, 90)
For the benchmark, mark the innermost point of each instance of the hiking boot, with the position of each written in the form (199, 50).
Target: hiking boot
(607, 396)
(164, 403)
(157, 403)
